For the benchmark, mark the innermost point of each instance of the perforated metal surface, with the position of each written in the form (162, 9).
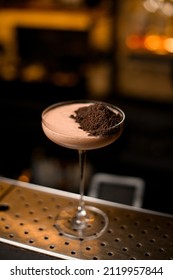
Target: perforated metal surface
(27, 217)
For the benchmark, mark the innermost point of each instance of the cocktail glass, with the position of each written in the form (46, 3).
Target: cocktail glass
(83, 221)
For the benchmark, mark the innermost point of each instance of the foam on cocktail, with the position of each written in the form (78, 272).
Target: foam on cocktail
(62, 129)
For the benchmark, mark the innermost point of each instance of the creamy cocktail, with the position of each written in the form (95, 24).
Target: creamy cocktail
(82, 125)
(62, 129)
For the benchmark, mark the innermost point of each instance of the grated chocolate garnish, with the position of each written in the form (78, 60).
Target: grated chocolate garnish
(96, 119)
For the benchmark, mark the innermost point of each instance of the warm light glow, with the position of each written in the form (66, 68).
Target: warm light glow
(45, 19)
(25, 176)
(168, 9)
(151, 6)
(168, 45)
(165, 6)
(154, 43)
(134, 42)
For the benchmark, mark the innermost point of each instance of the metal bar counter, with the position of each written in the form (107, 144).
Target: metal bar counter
(27, 217)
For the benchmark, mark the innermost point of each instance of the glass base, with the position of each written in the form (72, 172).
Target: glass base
(91, 226)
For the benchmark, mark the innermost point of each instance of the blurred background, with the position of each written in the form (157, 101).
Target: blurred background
(116, 51)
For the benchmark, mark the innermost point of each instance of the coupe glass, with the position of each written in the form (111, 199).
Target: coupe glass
(83, 221)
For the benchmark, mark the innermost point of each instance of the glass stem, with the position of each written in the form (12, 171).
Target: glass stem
(82, 163)
(79, 222)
